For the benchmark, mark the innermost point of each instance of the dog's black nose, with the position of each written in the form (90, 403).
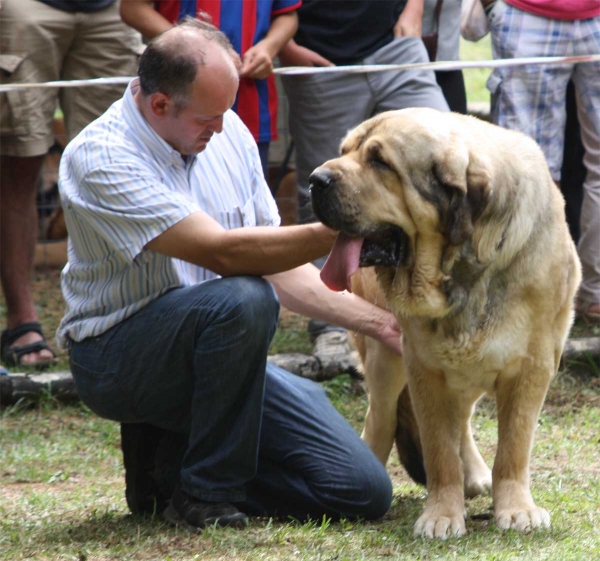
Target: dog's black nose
(320, 179)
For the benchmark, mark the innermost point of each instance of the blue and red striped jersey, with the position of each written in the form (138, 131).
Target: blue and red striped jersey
(245, 22)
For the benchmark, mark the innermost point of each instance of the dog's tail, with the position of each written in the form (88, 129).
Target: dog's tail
(408, 441)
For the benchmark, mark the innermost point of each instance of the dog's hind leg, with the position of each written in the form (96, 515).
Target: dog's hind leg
(477, 475)
(385, 378)
(408, 439)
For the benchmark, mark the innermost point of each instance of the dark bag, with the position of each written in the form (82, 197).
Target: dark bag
(431, 40)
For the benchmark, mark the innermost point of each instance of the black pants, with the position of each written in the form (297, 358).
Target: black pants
(453, 86)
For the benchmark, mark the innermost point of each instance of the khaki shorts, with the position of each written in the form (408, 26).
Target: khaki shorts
(41, 44)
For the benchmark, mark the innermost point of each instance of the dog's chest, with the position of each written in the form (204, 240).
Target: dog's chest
(471, 361)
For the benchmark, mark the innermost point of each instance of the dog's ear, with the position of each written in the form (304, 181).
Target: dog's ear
(466, 179)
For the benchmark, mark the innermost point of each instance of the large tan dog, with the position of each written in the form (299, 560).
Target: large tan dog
(467, 233)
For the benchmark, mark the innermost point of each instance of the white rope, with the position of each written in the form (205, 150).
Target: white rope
(351, 69)
(450, 65)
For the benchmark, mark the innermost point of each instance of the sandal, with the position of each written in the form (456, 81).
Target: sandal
(11, 356)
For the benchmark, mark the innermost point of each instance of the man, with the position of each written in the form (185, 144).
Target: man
(163, 194)
(256, 30)
(42, 41)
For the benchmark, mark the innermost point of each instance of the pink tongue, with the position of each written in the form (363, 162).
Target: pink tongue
(342, 262)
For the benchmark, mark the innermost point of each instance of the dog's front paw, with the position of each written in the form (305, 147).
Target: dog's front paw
(440, 525)
(523, 520)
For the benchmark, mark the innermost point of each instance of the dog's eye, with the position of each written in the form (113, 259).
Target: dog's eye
(377, 162)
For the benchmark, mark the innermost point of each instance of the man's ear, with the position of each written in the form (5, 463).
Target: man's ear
(466, 179)
(159, 104)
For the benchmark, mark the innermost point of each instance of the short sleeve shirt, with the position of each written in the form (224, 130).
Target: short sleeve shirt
(121, 186)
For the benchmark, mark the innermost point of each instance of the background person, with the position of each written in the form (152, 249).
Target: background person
(324, 107)
(41, 41)
(532, 99)
(447, 28)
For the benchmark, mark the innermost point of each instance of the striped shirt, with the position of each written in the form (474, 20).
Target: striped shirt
(245, 22)
(121, 186)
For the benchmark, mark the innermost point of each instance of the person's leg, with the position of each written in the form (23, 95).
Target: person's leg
(452, 83)
(35, 36)
(532, 99)
(102, 46)
(312, 463)
(192, 361)
(322, 109)
(18, 222)
(263, 152)
(573, 171)
(587, 87)
(410, 88)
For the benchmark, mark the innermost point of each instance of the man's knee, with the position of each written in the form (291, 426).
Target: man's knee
(254, 297)
(245, 304)
(374, 492)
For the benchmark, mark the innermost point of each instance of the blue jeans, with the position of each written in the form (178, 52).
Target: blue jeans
(194, 362)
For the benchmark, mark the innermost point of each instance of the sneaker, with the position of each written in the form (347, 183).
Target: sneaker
(194, 514)
(336, 355)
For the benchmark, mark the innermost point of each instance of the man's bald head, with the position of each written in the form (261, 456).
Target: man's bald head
(173, 60)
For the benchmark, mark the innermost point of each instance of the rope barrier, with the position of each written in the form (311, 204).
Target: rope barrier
(351, 69)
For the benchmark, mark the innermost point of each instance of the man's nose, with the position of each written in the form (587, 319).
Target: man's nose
(216, 124)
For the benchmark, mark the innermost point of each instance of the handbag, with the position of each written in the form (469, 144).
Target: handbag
(431, 39)
(473, 21)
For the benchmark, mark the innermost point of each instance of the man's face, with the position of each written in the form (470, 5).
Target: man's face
(188, 129)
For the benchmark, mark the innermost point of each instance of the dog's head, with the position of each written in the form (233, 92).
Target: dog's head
(405, 195)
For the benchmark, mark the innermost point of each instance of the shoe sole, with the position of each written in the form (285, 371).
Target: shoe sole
(170, 515)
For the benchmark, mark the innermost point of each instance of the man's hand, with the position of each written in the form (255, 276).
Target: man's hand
(410, 22)
(390, 334)
(302, 291)
(295, 55)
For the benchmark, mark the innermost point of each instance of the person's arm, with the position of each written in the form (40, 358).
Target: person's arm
(293, 54)
(410, 22)
(260, 250)
(257, 61)
(141, 15)
(301, 290)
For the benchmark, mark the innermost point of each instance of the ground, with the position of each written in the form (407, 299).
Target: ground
(62, 486)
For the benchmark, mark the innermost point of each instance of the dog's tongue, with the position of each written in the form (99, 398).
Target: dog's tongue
(342, 262)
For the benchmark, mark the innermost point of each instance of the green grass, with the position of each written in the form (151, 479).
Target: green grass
(62, 495)
(475, 78)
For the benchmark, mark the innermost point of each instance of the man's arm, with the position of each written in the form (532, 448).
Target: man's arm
(257, 61)
(302, 291)
(410, 22)
(260, 250)
(141, 15)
